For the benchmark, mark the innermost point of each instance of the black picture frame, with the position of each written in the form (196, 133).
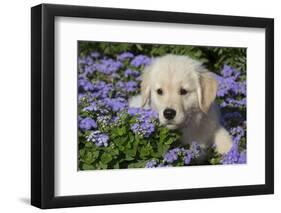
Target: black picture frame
(43, 102)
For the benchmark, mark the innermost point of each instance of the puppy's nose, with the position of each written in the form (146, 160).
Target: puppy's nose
(169, 114)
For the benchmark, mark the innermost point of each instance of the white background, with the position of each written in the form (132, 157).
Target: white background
(153, 179)
(15, 106)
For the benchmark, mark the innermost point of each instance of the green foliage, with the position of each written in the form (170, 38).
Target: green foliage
(126, 149)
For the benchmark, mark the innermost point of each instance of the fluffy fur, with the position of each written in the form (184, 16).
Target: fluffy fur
(197, 114)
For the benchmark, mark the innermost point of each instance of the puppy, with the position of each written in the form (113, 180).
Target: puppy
(182, 91)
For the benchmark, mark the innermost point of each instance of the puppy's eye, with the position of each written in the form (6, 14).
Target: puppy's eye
(159, 91)
(183, 91)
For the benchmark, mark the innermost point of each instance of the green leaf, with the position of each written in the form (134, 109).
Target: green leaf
(103, 166)
(163, 134)
(140, 164)
(215, 161)
(139, 47)
(88, 144)
(121, 131)
(95, 154)
(113, 152)
(162, 149)
(145, 151)
(82, 152)
(169, 141)
(129, 157)
(106, 158)
(87, 166)
(88, 158)
(116, 166)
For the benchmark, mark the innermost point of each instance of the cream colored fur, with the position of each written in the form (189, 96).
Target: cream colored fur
(197, 114)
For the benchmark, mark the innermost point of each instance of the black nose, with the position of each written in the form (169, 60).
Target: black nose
(169, 113)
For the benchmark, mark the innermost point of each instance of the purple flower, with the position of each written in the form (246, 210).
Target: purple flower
(89, 60)
(95, 54)
(116, 104)
(90, 69)
(143, 114)
(230, 84)
(232, 115)
(234, 103)
(91, 107)
(143, 129)
(85, 85)
(134, 111)
(151, 164)
(82, 60)
(140, 60)
(195, 148)
(120, 85)
(188, 155)
(187, 158)
(101, 89)
(125, 55)
(108, 66)
(171, 156)
(103, 121)
(131, 86)
(100, 139)
(144, 125)
(234, 156)
(87, 124)
(237, 133)
(242, 157)
(228, 71)
(130, 72)
(242, 88)
(82, 96)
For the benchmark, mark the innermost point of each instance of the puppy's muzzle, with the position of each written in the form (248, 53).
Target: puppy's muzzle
(169, 113)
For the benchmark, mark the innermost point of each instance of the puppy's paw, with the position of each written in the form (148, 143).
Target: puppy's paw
(222, 141)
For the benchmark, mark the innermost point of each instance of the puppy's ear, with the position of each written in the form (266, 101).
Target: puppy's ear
(207, 90)
(145, 86)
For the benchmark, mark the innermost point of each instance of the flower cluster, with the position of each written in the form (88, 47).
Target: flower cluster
(232, 88)
(145, 121)
(140, 60)
(234, 156)
(232, 96)
(177, 156)
(100, 139)
(103, 93)
(87, 124)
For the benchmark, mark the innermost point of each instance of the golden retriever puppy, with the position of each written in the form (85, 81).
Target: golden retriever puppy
(183, 92)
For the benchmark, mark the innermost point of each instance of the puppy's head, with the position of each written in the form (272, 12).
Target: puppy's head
(176, 87)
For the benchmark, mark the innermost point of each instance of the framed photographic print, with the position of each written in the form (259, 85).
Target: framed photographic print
(139, 106)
